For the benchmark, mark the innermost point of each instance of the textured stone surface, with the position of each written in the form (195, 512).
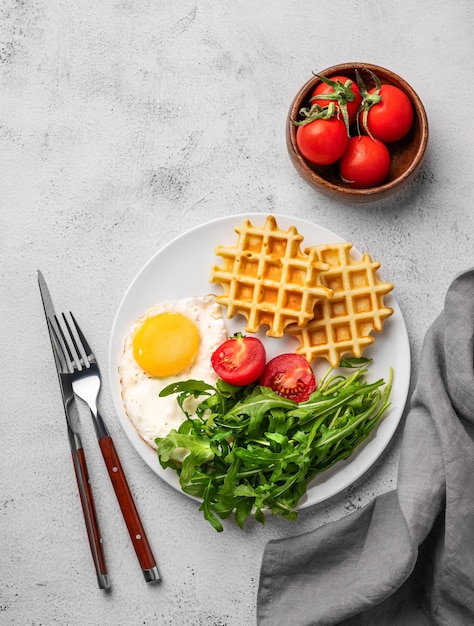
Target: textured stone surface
(123, 124)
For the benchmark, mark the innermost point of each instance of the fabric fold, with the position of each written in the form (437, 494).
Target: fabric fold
(408, 556)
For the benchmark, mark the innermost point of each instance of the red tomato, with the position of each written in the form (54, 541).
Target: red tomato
(239, 360)
(391, 118)
(352, 106)
(290, 376)
(365, 163)
(322, 141)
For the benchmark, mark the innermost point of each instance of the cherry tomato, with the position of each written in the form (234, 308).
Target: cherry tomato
(290, 376)
(352, 106)
(391, 118)
(322, 141)
(366, 163)
(240, 360)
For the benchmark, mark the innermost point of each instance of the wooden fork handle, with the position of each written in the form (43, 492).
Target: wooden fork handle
(129, 510)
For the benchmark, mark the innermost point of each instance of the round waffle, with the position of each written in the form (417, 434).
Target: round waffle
(268, 279)
(343, 325)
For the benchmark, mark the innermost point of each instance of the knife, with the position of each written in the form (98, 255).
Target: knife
(75, 443)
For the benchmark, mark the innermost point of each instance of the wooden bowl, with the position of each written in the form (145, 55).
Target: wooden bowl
(406, 154)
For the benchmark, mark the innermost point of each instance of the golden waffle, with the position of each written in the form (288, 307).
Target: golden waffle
(343, 325)
(268, 279)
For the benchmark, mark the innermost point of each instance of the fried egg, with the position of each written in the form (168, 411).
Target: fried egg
(170, 342)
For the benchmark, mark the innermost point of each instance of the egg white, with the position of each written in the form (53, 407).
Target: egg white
(151, 415)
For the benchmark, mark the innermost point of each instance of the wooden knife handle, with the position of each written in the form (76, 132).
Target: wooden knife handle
(129, 510)
(90, 516)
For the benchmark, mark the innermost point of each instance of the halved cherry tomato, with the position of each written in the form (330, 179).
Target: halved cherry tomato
(290, 376)
(322, 141)
(240, 360)
(352, 105)
(391, 118)
(366, 163)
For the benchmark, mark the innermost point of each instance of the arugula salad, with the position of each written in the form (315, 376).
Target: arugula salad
(250, 452)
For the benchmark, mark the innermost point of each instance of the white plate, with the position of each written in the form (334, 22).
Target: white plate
(182, 269)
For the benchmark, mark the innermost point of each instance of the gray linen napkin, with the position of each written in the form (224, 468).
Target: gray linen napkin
(407, 558)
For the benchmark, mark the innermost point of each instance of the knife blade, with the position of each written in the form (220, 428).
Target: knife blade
(75, 444)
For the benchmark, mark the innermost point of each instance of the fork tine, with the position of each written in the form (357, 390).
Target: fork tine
(58, 346)
(87, 349)
(73, 347)
(70, 351)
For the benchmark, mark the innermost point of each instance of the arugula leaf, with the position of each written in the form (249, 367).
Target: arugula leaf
(249, 452)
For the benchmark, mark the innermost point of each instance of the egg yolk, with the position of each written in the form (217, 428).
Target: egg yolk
(166, 344)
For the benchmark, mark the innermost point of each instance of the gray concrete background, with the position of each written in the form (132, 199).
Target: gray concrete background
(123, 124)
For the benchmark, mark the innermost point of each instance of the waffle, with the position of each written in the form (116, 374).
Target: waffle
(343, 325)
(268, 279)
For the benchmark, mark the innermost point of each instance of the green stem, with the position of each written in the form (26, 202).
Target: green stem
(368, 100)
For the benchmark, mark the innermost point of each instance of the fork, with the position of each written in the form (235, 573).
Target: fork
(80, 365)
